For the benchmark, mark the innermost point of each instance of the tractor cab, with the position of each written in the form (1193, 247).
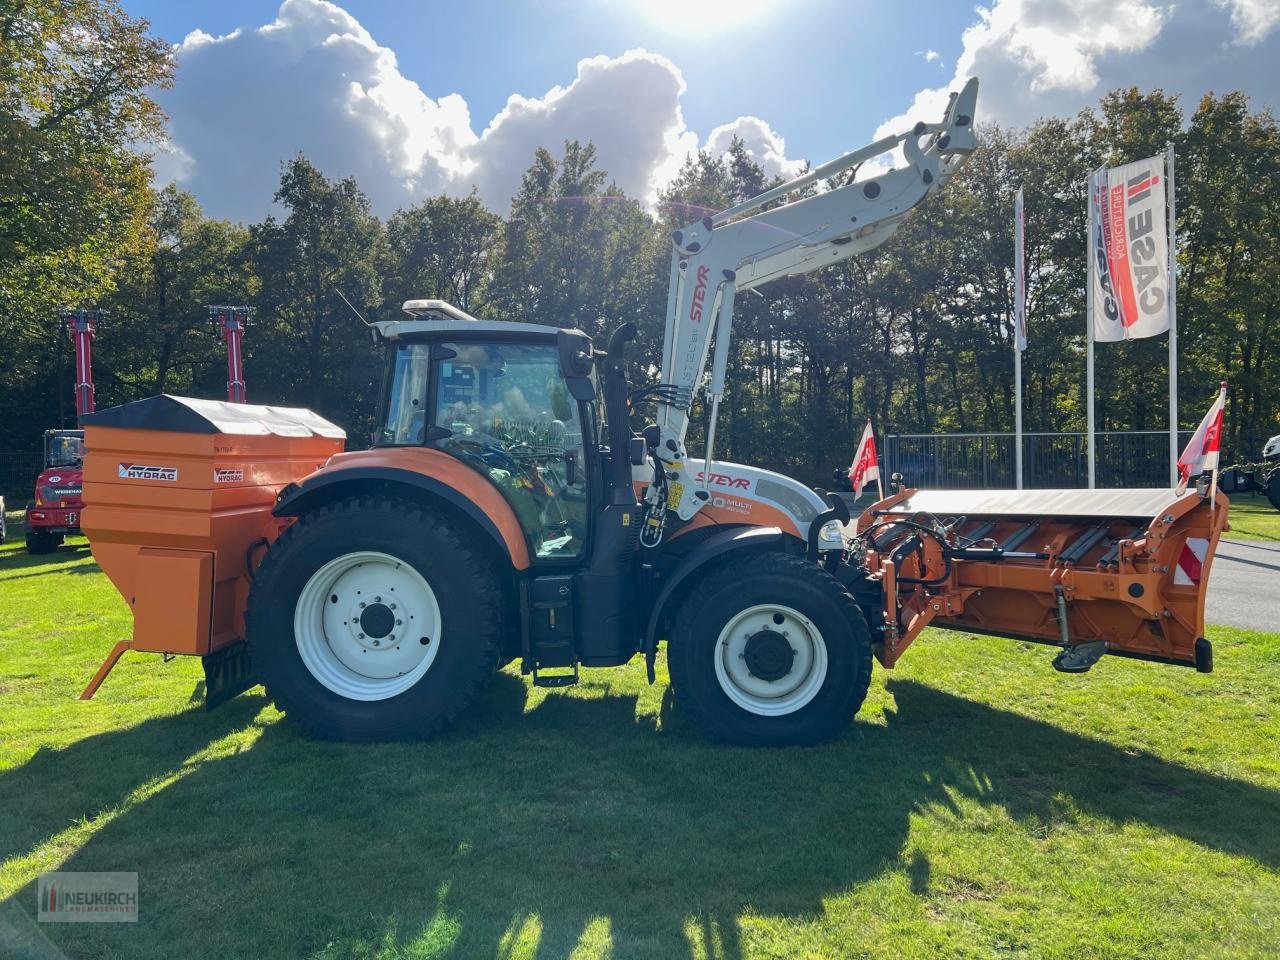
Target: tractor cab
(495, 396)
(63, 448)
(55, 511)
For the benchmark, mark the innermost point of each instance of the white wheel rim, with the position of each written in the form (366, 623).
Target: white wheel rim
(361, 622)
(735, 652)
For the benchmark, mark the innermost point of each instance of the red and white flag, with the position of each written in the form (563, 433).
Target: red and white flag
(866, 463)
(1202, 452)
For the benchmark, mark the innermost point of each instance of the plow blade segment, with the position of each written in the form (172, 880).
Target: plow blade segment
(1124, 571)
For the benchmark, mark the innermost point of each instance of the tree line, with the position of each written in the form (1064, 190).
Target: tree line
(916, 335)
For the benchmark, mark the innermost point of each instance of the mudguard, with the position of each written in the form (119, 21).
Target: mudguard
(327, 484)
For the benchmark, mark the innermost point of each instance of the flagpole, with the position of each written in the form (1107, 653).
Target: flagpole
(1173, 321)
(879, 482)
(1088, 324)
(1213, 484)
(1019, 315)
(1017, 413)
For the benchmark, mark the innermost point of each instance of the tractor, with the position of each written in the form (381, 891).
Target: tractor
(508, 510)
(55, 511)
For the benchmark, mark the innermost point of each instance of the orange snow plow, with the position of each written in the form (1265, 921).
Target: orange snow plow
(1094, 571)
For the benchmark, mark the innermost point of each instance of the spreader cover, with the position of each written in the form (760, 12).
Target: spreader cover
(191, 415)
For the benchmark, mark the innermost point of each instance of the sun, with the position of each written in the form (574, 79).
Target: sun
(695, 16)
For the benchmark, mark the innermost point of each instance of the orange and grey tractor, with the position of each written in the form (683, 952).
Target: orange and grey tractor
(507, 510)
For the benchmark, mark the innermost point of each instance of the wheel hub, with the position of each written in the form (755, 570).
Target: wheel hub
(768, 655)
(376, 620)
(771, 659)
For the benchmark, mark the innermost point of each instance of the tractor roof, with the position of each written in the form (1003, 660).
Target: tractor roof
(437, 316)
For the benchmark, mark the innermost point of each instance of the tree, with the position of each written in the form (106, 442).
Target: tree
(75, 111)
(573, 249)
(441, 248)
(159, 339)
(310, 348)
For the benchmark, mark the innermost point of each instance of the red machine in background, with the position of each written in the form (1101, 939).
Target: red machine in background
(231, 323)
(55, 511)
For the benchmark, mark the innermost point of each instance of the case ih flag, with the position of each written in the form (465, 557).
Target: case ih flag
(1202, 451)
(1129, 251)
(866, 463)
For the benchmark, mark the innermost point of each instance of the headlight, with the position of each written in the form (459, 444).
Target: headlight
(831, 533)
(46, 495)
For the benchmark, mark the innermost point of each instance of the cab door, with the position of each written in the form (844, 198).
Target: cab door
(504, 409)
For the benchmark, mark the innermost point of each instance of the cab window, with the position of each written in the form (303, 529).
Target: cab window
(510, 416)
(406, 419)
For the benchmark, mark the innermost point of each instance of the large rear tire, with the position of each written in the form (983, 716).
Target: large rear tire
(373, 619)
(769, 650)
(1273, 487)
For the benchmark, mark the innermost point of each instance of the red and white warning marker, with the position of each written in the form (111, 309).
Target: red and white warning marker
(1190, 562)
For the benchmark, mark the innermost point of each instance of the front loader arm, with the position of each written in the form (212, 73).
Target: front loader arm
(746, 246)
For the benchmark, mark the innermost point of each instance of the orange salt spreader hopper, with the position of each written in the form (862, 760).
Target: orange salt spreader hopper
(179, 494)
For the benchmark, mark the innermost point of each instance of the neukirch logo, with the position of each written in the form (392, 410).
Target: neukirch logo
(139, 471)
(68, 897)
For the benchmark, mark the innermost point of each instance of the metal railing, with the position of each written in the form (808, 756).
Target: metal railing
(1126, 458)
(18, 472)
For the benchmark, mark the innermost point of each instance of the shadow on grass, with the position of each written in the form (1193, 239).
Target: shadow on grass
(35, 565)
(577, 817)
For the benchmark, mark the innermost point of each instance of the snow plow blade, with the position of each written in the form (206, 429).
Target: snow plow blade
(1093, 571)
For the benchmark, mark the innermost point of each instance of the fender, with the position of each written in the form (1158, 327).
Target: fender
(327, 484)
(714, 547)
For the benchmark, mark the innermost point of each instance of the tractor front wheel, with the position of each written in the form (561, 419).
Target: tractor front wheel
(374, 619)
(769, 650)
(40, 542)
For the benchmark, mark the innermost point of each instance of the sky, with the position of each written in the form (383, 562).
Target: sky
(415, 99)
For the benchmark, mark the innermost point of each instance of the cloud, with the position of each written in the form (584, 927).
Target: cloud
(762, 144)
(315, 81)
(628, 106)
(1253, 19)
(1040, 58)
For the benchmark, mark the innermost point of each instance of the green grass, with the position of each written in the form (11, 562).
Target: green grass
(1253, 518)
(980, 806)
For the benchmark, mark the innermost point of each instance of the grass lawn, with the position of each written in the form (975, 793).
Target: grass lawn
(980, 806)
(1253, 518)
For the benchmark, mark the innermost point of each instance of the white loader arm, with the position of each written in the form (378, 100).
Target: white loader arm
(744, 247)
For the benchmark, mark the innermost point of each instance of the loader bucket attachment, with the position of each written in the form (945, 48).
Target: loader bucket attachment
(1094, 571)
(178, 499)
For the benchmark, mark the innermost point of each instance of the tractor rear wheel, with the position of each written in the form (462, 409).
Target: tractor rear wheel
(374, 619)
(769, 650)
(1273, 488)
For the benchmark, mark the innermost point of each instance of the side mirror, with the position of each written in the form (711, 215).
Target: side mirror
(577, 359)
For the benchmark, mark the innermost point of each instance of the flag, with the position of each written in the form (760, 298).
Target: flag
(1202, 451)
(1129, 251)
(1019, 276)
(866, 463)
